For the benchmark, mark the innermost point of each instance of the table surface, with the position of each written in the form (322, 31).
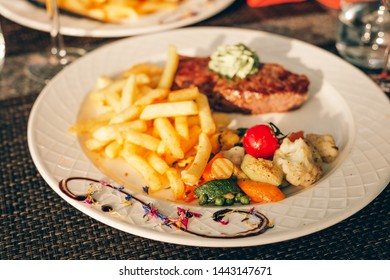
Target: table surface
(36, 224)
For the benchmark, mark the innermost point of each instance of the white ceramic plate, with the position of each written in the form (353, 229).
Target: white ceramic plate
(190, 12)
(343, 102)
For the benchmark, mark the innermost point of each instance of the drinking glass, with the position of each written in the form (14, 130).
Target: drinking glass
(383, 79)
(364, 37)
(43, 66)
(363, 32)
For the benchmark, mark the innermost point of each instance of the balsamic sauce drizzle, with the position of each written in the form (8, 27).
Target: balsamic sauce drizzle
(219, 216)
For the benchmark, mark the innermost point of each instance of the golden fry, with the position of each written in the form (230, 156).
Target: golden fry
(113, 131)
(193, 139)
(192, 175)
(157, 162)
(193, 120)
(131, 148)
(170, 68)
(151, 176)
(106, 133)
(129, 92)
(102, 82)
(128, 114)
(152, 96)
(95, 145)
(141, 139)
(181, 126)
(112, 150)
(169, 136)
(166, 154)
(105, 86)
(144, 68)
(113, 99)
(206, 119)
(183, 94)
(89, 125)
(176, 183)
(169, 109)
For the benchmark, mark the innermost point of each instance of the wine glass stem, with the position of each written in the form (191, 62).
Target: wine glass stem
(57, 43)
(2, 48)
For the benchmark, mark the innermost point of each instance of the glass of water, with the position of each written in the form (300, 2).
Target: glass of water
(364, 32)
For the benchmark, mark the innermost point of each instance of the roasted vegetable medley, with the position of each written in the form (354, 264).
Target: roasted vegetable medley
(253, 165)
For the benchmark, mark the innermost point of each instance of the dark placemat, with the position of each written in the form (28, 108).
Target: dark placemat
(37, 224)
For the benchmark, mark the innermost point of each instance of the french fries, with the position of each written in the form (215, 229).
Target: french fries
(176, 183)
(157, 163)
(113, 131)
(206, 119)
(114, 11)
(170, 68)
(183, 94)
(192, 175)
(151, 176)
(128, 114)
(166, 135)
(169, 137)
(169, 109)
(113, 149)
(129, 92)
(142, 139)
(181, 126)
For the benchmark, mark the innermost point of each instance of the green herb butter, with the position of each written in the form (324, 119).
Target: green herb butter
(234, 61)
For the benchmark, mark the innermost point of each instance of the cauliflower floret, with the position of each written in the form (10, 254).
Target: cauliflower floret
(324, 144)
(235, 154)
(297, 162)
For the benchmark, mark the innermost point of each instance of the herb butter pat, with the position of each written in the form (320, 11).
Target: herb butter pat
(234, 61)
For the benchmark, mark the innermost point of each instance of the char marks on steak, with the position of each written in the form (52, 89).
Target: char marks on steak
(271, 89)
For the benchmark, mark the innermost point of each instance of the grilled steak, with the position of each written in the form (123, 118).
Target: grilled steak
(271, 89)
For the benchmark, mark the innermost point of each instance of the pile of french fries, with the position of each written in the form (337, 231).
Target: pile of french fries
(166, 135)
(114, 10)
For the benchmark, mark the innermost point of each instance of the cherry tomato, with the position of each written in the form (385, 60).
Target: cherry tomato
(260, 141)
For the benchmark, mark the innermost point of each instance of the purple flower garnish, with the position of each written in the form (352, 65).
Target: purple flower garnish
(183, 217)
(121, 188)
(145, 189)
(104, 183)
